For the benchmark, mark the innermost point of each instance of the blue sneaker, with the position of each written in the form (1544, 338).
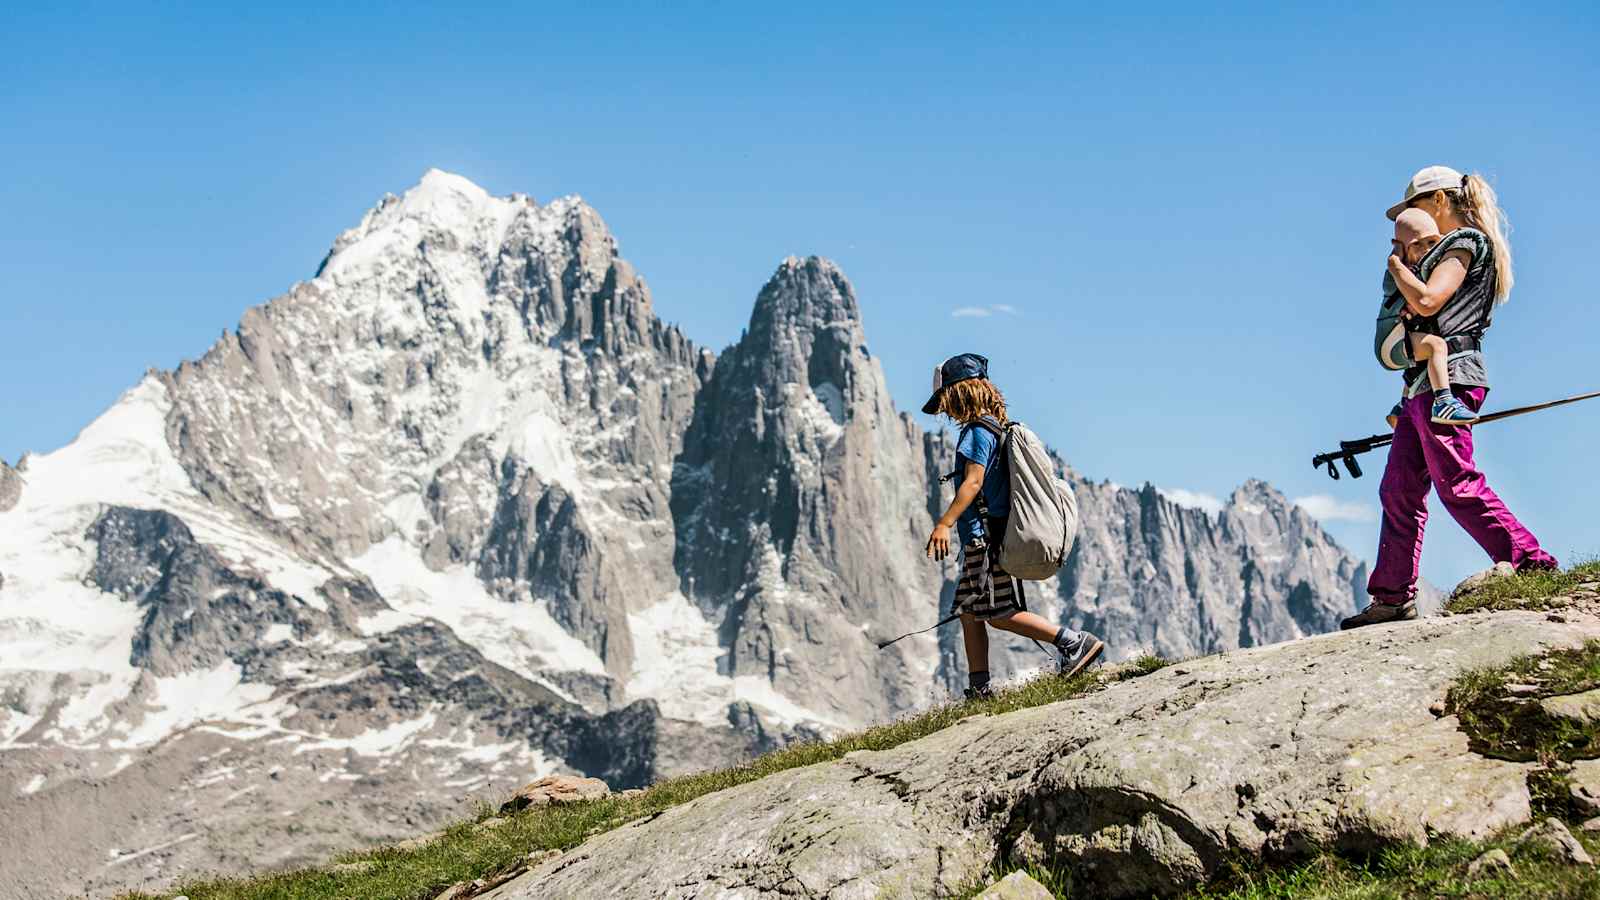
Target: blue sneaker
(1447, 410)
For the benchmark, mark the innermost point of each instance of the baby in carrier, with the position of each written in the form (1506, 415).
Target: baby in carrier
(1415, 234)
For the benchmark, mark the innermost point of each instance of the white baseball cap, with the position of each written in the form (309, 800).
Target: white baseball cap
(1426, 181)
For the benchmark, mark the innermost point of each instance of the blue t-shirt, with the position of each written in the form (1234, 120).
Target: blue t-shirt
(978, 445)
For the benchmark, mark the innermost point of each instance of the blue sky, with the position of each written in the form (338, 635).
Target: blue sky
(1172, 217)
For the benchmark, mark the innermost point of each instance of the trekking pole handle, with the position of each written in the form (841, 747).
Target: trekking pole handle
(1347, 453)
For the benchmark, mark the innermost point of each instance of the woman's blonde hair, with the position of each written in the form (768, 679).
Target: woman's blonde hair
(1476, 202)
(972, 399)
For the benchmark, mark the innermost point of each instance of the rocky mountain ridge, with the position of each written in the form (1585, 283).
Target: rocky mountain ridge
(461, 509)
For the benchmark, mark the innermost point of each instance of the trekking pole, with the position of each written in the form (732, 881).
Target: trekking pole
(944, 621)
(1349, 450)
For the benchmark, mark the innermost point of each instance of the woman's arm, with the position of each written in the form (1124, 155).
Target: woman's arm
(971, 483)
(1428, 298)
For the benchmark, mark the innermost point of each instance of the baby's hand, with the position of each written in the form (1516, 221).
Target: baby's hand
(1396, 264)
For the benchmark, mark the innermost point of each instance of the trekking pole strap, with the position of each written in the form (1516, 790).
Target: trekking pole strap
(944, 621)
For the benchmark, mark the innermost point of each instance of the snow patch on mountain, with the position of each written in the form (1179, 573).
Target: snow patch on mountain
(522, 636)
(681, 665)
(57, 621)
(192, 697)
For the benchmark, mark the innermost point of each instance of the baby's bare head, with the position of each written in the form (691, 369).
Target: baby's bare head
(1415, 233)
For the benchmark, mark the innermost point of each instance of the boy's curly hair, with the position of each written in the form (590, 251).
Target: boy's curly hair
(969, 400)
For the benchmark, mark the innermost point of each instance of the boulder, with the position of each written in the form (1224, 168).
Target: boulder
(1494, 862)
(1016, 886)
(1478, 580)
(1145, 787)
(1584, 787)
(555, 789)
(1583, 708)
(1554, 836)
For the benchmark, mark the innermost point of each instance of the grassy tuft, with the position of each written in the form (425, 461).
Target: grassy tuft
(1142, 666)
(1500, 712)
(469, 850)
(1501, 715)
(1438, 870)
(1057, 880)
(1528, 590)
(1406, 873)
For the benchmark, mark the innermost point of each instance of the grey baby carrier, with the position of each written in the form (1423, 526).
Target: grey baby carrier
(1389, 342)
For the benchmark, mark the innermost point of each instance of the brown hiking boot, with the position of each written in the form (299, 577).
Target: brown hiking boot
(1378, 612)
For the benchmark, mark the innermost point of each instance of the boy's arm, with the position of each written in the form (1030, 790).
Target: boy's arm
(971, 483)
(1428, 297)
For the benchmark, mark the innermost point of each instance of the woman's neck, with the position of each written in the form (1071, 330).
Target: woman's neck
(1450, 221)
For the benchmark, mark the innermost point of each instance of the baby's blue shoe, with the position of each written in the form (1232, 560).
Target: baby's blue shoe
(1447, 410)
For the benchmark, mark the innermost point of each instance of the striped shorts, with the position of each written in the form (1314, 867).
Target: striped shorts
(985, 591)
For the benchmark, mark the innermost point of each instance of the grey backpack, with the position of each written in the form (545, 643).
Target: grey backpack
(1043, 523)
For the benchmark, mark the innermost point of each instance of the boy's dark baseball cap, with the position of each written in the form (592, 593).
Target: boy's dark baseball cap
(957, 368)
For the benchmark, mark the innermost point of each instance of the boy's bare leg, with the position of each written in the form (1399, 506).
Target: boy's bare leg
(1433, 350)
(975, 639)
(1027, 624)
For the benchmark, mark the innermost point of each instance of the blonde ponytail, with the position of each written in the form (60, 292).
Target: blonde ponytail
(1477, 204)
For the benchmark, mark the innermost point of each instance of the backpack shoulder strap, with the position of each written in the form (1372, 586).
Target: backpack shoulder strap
(1002, 435)
(993, 426)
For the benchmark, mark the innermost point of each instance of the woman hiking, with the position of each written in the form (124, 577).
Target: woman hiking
(1459, 297)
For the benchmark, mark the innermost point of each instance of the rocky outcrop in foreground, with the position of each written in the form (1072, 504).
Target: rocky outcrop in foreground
(1145, 787)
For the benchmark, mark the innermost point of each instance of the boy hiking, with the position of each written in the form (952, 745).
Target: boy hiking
(986, 594)
(1416, 234)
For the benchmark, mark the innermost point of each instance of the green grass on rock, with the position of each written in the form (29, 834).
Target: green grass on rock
(1529, 590)
(471, 850)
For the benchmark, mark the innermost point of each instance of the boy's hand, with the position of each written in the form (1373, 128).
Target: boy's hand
(939, 542)
(1396, 264)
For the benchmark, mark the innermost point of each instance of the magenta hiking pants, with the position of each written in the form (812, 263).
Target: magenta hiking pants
(1425, 456)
